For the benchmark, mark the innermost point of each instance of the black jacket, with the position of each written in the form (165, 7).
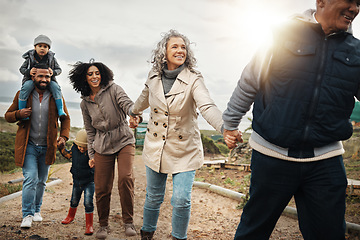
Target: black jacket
(80, 169)
(308, 97)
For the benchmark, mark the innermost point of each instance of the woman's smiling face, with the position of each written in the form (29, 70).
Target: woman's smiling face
(175, 52)
(93, 78)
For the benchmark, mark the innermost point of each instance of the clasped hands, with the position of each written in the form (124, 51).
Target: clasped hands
(232, 137)
(134, 121)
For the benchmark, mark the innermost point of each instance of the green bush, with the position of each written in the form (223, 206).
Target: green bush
(223, 149)
(7, 150)
(6, 188)
(209, 145)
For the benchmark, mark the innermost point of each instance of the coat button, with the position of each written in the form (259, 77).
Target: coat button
(148, 129)
(156, 123)
(163, 137)
(155, 134)
(180, 137)
(155, 110)
(165, 125)
(166, 113)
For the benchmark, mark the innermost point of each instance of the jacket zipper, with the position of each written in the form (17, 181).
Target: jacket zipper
(40, 121)
(314, 101)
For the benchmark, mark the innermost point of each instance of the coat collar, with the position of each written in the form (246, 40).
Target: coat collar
(102, 89)
(308, 16)
(180, 83)
(183, 75)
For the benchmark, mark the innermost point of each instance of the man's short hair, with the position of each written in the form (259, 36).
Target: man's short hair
(41, 65)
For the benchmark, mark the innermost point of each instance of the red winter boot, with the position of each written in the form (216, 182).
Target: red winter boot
(70, 216)
(89, 223)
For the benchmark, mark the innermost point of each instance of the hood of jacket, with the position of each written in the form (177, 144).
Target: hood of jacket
(308, 16)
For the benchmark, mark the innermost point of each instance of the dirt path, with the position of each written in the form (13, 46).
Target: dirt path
(212, 217)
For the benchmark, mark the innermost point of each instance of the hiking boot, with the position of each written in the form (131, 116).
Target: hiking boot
(174, 238)
(102, 232)
(146, 235)
(26, 222)
(37, 217)
(130, 229)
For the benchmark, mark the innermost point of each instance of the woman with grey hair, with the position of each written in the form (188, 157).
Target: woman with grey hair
(173, 91)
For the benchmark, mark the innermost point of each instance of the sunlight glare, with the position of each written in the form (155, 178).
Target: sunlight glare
(258, 22)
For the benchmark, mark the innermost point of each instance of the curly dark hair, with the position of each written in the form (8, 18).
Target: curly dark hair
(77, 76)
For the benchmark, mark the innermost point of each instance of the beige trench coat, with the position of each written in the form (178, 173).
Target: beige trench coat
(173, 142)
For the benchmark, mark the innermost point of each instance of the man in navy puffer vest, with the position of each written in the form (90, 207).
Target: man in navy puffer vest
(303, 90)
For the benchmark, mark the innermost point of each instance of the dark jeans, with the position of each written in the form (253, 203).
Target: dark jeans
(88, 190)
(318, 187)
(104, 177)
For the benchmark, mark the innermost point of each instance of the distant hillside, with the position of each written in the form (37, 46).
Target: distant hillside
(7, 127)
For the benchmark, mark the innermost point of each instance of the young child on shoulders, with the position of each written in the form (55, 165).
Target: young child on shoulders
(83, 180)
(40, 53)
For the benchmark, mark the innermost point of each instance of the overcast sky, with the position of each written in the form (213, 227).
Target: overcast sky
(121, 34)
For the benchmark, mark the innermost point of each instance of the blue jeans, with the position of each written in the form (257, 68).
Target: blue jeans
(318, 188)
(88, 190)
(35, 173)
(180, 200)
(29, 86)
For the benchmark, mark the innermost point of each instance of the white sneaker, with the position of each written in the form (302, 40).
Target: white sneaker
(37, 217)
(26, 222)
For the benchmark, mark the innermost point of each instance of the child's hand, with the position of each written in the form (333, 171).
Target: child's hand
(92, 163)
(32, 71)
(61, 142)
(51, 71)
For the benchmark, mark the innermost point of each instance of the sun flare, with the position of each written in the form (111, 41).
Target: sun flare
(258, 22)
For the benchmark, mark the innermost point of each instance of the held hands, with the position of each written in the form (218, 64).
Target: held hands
(92, 163)
(134, 121)
(25, 112)
(232, 138)
(61, 143)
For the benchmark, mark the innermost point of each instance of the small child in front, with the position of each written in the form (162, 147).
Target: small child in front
(83, 180)
(40, 53)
